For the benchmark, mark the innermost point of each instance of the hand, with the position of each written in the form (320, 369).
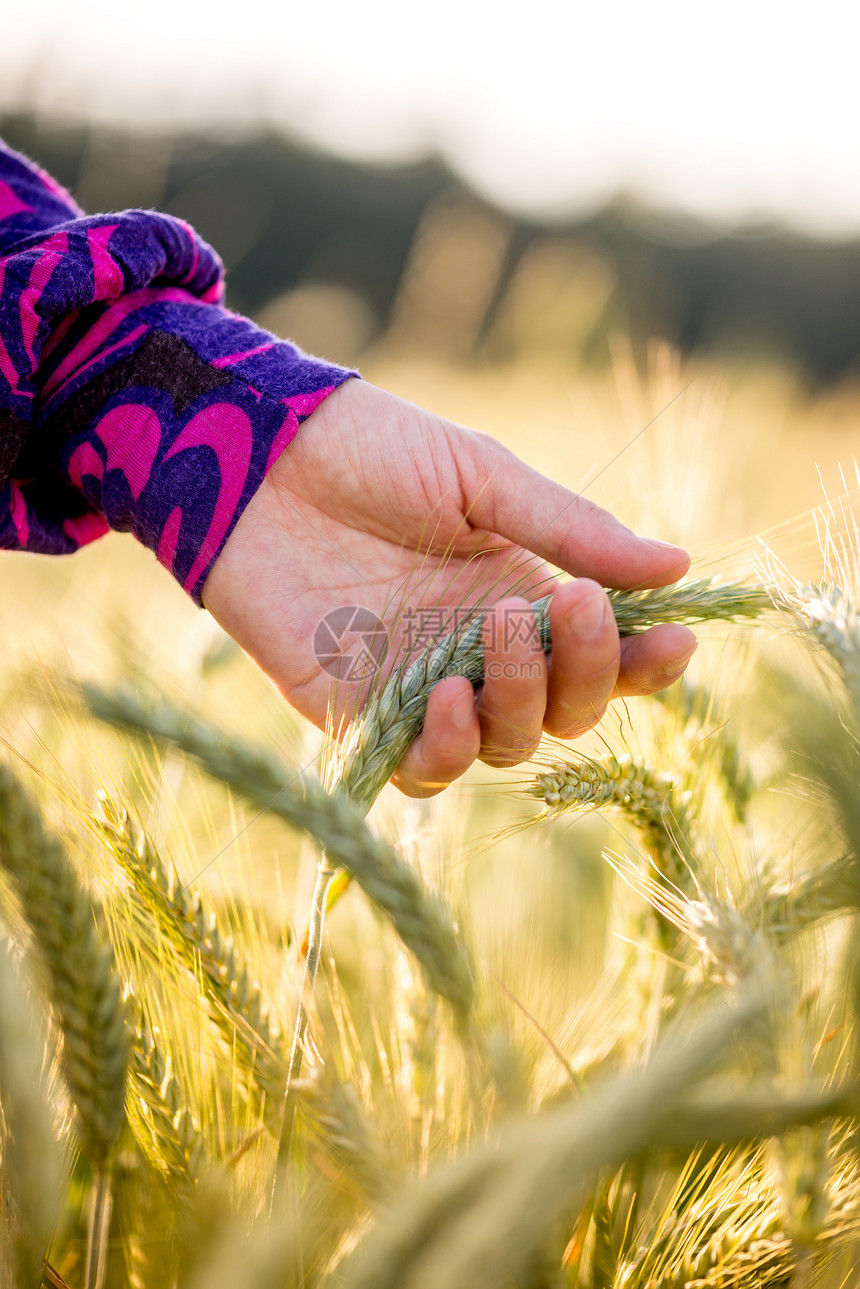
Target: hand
(382, 505)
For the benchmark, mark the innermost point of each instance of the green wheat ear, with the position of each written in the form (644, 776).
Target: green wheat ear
(650, 799)
(377, 741)
(83, 983)
(419, 917)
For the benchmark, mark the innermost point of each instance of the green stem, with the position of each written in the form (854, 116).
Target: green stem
(99, 1224)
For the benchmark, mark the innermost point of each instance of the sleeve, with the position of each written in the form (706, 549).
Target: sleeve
(130, 398)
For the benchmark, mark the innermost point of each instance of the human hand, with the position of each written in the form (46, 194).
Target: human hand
(380, 504)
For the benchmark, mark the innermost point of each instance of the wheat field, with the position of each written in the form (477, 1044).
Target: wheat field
(589, 1022)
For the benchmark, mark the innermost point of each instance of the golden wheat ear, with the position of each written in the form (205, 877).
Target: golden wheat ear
(184, 923)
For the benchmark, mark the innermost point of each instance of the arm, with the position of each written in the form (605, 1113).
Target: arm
(130, 397)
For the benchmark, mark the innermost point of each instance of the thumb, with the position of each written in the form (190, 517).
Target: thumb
(508, 497)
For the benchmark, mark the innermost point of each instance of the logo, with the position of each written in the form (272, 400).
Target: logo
(350, 643)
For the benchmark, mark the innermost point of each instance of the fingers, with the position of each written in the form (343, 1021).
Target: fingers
(506, 724)
(508, 497)
(523, 693)
(447, 745)
(655, 659)
(586, 658)
(513, 696)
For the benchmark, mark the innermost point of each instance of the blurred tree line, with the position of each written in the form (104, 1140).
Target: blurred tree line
(340, 257)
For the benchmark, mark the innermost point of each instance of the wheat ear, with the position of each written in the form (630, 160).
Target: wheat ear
(85, 991)
(30, 1154)
(649, 798)
(419, 918)
(346, 1132)
(183, 921)
(483, 1220)
(162, 1123)
(705, 728)
(84, 985)
(792, 904)
(830, 615)
(377, 741)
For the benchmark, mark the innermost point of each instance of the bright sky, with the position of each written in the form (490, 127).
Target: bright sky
(732, 110)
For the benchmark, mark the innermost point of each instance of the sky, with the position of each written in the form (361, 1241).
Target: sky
(734, 112)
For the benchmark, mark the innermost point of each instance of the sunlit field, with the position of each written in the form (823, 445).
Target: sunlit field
(587, 1022)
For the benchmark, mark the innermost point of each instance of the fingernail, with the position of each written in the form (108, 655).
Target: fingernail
(587, 619)
(463, 711)
(678, 663)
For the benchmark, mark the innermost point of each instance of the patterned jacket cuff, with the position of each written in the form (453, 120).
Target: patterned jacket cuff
(167, 412)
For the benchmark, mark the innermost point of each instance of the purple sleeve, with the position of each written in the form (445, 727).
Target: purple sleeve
(130, 397)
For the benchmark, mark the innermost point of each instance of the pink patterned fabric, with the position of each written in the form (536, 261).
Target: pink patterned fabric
(129, 396)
